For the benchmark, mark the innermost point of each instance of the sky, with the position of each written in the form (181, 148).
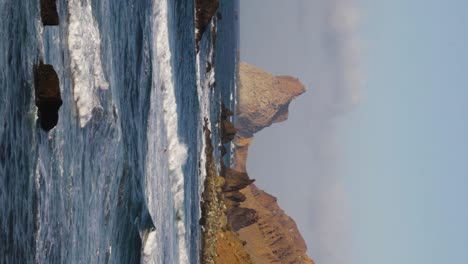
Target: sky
(373, 161)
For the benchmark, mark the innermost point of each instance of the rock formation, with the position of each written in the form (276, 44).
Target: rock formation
(234, 181)
(263, 99)
(229, 131)
(242, 224)
(220, 244)
(49, 14)
(47, 93)
(273, 237)
(204, 11)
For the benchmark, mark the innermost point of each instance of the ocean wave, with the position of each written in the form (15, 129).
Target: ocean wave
(176, 151)
(149, 245)
(84, 45)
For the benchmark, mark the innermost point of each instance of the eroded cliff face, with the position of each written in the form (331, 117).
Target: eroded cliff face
(263, 100)
(274, 238)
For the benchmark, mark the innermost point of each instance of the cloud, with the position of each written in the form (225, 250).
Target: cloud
(317, 41)
(336, 77)
(339, 56)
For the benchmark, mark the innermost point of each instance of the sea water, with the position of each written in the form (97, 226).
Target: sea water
(119, 179)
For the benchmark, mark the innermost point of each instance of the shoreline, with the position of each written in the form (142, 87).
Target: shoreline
(219, 243)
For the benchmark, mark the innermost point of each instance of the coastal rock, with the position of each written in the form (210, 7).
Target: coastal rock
(47, 92)
(273, 237)
(219, 243)
(204, 11)
(263, 233)
(263, 98)
(49, 14)
(228, 131)
(225, 112)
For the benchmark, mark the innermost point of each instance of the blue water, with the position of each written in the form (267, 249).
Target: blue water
(118, 180)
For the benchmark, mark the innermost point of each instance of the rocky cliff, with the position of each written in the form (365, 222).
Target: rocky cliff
(241, 223)
(274, 238)
(263, 100)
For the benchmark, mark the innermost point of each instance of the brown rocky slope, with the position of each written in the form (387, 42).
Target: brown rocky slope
(242, 224)
(263, 100)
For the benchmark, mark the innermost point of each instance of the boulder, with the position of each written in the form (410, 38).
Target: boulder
(204, 11)
(225, 112)
(228, 131)
(47, 93)
(49, 14)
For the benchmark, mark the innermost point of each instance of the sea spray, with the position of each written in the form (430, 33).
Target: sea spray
(84, 45)
(204, 82)
(175, 150)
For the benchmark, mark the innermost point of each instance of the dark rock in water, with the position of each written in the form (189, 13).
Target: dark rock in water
(204, 11)
(223, 150)
(235, 181)
(208, 67)
(240, 217)
(213, 85)
(48, 99)
(219, 16)
(49, 14)
(228, 131)
(225, 112)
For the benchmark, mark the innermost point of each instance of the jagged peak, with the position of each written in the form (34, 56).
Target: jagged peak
(264, 98)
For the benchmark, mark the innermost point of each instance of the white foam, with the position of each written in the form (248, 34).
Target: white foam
(176, 151)
(204, 81)
(84, 45)
(149, 245)
(203, 102)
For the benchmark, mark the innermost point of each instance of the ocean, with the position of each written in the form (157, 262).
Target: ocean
(119, 179)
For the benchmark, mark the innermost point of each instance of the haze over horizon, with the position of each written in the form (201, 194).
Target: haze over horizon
(370, 162)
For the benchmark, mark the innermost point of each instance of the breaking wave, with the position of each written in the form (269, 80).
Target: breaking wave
(84, 45)
(175, 152)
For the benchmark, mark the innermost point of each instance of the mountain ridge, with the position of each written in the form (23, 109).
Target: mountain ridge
(264, 99)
